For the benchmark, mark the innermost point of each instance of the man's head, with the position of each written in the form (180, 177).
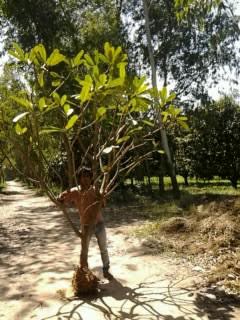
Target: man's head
(85, 177)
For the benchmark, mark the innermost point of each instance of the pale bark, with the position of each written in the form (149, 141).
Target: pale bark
(156, 102)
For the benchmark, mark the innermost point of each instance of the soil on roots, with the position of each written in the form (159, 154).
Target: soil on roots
(84, 281)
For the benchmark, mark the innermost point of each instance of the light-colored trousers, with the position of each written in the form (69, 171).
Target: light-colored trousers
(100, 233)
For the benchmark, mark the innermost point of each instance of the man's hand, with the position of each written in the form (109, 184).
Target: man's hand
(63, 196)
(60, 199)
(68, 196)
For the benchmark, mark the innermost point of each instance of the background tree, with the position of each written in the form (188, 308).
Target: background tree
(7, 138)
(67, 24)
(190, 51)
(156, 103)
(211, 147)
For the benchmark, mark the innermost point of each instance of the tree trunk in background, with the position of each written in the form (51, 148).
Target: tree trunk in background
(132, 182)
(161, 184)
(159, 116)
(186, 180)
(148, 177)
(234, 180)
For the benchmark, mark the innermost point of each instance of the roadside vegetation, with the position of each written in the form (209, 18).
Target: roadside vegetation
(203, 227)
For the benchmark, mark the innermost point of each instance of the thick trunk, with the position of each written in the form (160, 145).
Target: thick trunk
(132, 182)
(159, 116)
(161, 183)
(148, 177)
(186, 180)
(234, 181)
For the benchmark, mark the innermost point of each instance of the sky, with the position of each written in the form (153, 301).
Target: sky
(215, 91)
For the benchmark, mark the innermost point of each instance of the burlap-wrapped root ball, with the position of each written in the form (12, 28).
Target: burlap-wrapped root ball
(84, 281)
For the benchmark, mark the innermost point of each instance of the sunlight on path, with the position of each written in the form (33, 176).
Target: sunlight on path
(38, 255)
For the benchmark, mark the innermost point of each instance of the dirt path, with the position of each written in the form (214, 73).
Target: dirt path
(38, 252)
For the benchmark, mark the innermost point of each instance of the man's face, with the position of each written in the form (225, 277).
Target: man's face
(85, 181)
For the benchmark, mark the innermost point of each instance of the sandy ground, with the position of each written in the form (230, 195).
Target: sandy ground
(38, 253)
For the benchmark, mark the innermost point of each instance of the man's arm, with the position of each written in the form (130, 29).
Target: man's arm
(68, 196)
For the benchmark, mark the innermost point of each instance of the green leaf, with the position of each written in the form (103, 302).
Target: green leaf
(32, 57)
(41, 51)
(84, 95)
(154, 92)
(71, 122)
(183, 118)
(135, 130)
(19, 52)
(63, 99)
(171, 97)
(148, 123)
(78, 59)
(107, 50)
(142, 104)
(138, 82)
(50, 130)
(96, 57)
(165, 116)
(89, 59)
(20, 116)
(42, 103)
(40, 79)
(122, 69)
(163, 95)
(56, 83)
(19, 130)
(184, 125)
(103, 58)
(115, 83)
(14, 54)
(55, 58)
(96, 71)
(23, 102)
(87, 84)
(123, 139)
(116, 53)
(174, 111)
(102, 79)
(100, 112)
(88, 79)
(161, 151)
(56, 97)
(68, 111)
(55, 74)
(66, 108)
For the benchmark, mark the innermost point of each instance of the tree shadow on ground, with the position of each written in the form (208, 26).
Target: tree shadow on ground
(147, 300)
(216, 304)
(34, 240)
(42, 209)
(10, 193)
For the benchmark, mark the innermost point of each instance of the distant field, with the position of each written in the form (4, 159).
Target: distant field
(199, 186)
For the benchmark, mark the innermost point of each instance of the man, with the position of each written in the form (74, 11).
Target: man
(89, 202)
